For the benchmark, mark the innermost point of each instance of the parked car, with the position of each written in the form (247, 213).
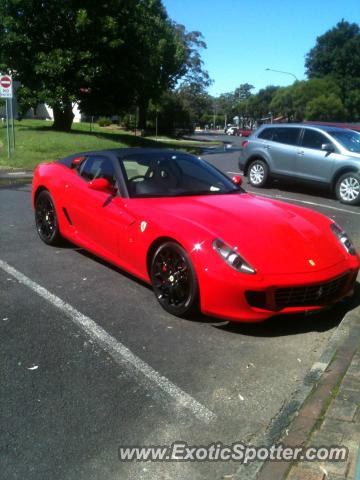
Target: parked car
(312, 153)
(231, 131)
(244, 132)
(203, 243)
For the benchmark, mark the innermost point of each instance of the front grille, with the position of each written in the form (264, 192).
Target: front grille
(310, 295)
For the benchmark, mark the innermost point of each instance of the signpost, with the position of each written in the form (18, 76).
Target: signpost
(6, 92)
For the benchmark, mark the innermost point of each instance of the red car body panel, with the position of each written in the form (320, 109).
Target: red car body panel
(244, 132)
(289, 246)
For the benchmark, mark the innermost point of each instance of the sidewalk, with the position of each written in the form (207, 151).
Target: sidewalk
(330, 416)
(338, 425)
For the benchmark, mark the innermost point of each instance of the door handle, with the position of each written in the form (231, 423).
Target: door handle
(267, 147)
(301, 152)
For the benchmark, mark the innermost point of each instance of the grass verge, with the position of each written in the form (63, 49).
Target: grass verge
(37, 142)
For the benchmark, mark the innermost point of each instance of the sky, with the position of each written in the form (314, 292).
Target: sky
(245, 37)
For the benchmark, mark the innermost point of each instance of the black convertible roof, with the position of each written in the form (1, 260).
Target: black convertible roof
(120, 152)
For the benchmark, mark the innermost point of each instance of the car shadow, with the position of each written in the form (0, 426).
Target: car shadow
(111, 266)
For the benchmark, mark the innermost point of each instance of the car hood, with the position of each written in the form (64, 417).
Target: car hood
(273, 236)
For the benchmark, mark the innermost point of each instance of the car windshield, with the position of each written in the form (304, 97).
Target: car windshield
(171, 175)
(349, 140)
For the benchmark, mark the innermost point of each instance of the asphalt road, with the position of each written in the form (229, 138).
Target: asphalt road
(69, 400)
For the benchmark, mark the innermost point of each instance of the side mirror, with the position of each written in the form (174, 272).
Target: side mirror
(102, 185)
(237, 179)
(328, 147)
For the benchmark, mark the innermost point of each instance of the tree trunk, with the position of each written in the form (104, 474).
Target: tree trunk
(63, 118)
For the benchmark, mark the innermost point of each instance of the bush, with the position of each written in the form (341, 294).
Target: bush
(104, 122)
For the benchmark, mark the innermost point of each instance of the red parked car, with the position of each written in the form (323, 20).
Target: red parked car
(197, 237)
(244, 132)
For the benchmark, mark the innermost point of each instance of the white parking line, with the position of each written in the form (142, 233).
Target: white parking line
(236, 173)
(280, 197)
(119, 352)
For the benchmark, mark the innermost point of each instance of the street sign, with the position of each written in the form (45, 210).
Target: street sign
(6, 91)
(6, 86)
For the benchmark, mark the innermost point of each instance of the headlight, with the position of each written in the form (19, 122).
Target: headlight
(231, 257)
(343, 238)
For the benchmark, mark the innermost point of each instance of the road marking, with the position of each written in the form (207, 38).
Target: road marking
(236, 173)
(280, 197)
(119, 352)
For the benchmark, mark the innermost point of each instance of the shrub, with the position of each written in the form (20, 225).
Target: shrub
(104, 122)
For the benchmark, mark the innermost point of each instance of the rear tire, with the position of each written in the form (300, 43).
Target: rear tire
(174, 280)
(347, 188)
(258, 173)
(47, 224)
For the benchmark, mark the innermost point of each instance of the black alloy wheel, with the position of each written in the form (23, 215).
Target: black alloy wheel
(174, 280)
(47, 224)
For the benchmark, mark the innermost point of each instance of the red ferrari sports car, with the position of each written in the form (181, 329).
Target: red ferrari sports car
(181, 225)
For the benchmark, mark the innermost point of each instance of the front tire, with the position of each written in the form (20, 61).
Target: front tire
(348, 188)
(258, 173)
(174, 280)
(47, 224)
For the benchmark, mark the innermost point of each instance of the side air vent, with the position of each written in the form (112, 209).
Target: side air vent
(67, 215)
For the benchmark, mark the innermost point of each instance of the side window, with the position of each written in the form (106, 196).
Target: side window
(289, 135)
(266, 134)
(313, 139)
(97, 167)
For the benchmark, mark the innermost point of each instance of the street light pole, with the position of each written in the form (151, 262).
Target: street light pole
(280, 71)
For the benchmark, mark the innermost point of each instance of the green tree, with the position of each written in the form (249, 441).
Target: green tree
(194, 100)
(193, 69)
(258, 106)
(243, 91)
(308, 97)
(326, 108)
(283, 102)
(171, 114)
(306, 91)
(226, 104)
(337, 54)
(352, 105)
(181, 63)
(106, 57)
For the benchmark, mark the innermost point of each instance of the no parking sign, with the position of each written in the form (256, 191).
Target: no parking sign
(6, 86)
(6, 91)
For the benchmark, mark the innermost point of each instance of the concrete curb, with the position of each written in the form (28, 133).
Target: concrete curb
(7, 174)
(14, 177)
(293, 424)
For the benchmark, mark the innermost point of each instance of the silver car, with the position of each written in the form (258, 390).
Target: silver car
(322, 154)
